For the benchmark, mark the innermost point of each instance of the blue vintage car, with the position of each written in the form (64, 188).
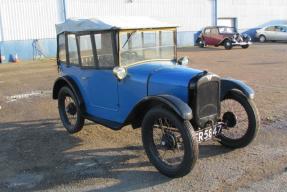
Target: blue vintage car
(125, 71)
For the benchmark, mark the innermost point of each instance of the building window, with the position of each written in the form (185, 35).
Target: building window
(86, 51)
(104, 48)
(73, 50)
(62, 48)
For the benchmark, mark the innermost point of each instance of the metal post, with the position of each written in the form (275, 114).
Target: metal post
(215, 12)
(64, 10)
(1, 37)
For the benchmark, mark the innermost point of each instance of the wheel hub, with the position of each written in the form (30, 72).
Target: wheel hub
(71, 109)
(169, 141)
(229, 119)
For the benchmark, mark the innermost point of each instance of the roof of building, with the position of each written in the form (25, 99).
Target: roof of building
(107, 23)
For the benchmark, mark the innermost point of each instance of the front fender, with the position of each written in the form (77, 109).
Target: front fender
(180, 107)
(148, 102)
(229, 84)
(222, 41)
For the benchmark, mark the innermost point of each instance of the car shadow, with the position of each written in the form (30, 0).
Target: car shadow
(41, 155)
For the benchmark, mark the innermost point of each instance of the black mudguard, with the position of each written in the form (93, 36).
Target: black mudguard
(177, 105)
(68, 81)
(229, 84)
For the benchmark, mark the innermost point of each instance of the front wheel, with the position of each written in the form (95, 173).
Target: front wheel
(245, 46)
(170, 142)
(69, 110)
(241, 120)
(227, 44)
(262, 38)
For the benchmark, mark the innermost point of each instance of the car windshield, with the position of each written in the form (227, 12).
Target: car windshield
(227, 30)
(145, 45)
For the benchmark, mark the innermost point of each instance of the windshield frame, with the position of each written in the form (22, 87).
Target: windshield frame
(120, 45)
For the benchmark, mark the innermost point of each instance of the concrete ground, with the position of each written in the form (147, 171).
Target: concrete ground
(37, 154)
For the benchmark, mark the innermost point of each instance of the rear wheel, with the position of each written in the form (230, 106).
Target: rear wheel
(69, 110)
(201, 43)
(227, 44)
(169, 142)
(241, 120)
(262, 38)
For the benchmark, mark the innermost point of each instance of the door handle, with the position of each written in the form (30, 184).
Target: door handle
(84, 78)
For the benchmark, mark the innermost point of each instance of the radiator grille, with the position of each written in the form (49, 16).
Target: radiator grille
(208, 98)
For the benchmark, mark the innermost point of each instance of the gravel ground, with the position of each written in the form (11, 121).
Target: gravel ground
(37, 154)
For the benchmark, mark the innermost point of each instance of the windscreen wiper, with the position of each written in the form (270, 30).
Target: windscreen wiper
(131, 34)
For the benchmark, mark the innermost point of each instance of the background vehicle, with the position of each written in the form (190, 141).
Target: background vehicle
(272, 33)
(222, 36)
(121, 71)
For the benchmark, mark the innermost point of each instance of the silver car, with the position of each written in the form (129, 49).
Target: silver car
(272, 33)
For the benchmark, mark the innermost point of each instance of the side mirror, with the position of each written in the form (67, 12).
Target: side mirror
(183, 61)
(120, 72)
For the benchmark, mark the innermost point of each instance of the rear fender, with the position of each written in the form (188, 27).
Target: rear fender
(69, 82)
(229, 84)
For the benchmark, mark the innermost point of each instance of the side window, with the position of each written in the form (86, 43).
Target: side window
(277, 28)
(207, 31)
(271, 28)
(73, 51)
(214, 31)
(86, 51)
(62, 48)
(104, 48)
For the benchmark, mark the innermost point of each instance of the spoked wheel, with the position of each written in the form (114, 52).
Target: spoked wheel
(69, 111)
(169, 142)
(240, 116)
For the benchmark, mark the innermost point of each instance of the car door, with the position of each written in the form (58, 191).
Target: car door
(271, 33)
(97, 79)
(282, 33)
(207, 36)
(215, 36)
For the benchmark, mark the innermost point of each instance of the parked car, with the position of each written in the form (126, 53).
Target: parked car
(223, 36)
(272, 33)
(125, 71)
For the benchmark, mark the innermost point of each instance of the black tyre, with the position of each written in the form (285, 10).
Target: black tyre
(201, 43)
(245, 46)
(262, 38)
(69, 110)
(170, 142)
(241, 118)
(227, 44)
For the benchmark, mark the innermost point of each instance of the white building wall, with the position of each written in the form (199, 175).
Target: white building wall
(28, 19)
(190, 15)
(254, 13)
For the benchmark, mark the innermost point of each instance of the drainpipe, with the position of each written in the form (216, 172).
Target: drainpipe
(215, 12)
(1, 38)
(64, 9)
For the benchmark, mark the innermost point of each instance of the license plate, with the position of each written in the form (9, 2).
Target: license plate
(209, 132)
(204, 134)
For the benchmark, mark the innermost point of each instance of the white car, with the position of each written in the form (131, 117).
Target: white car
(272, 33)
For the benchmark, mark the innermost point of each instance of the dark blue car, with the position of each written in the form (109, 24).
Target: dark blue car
(125, 71)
